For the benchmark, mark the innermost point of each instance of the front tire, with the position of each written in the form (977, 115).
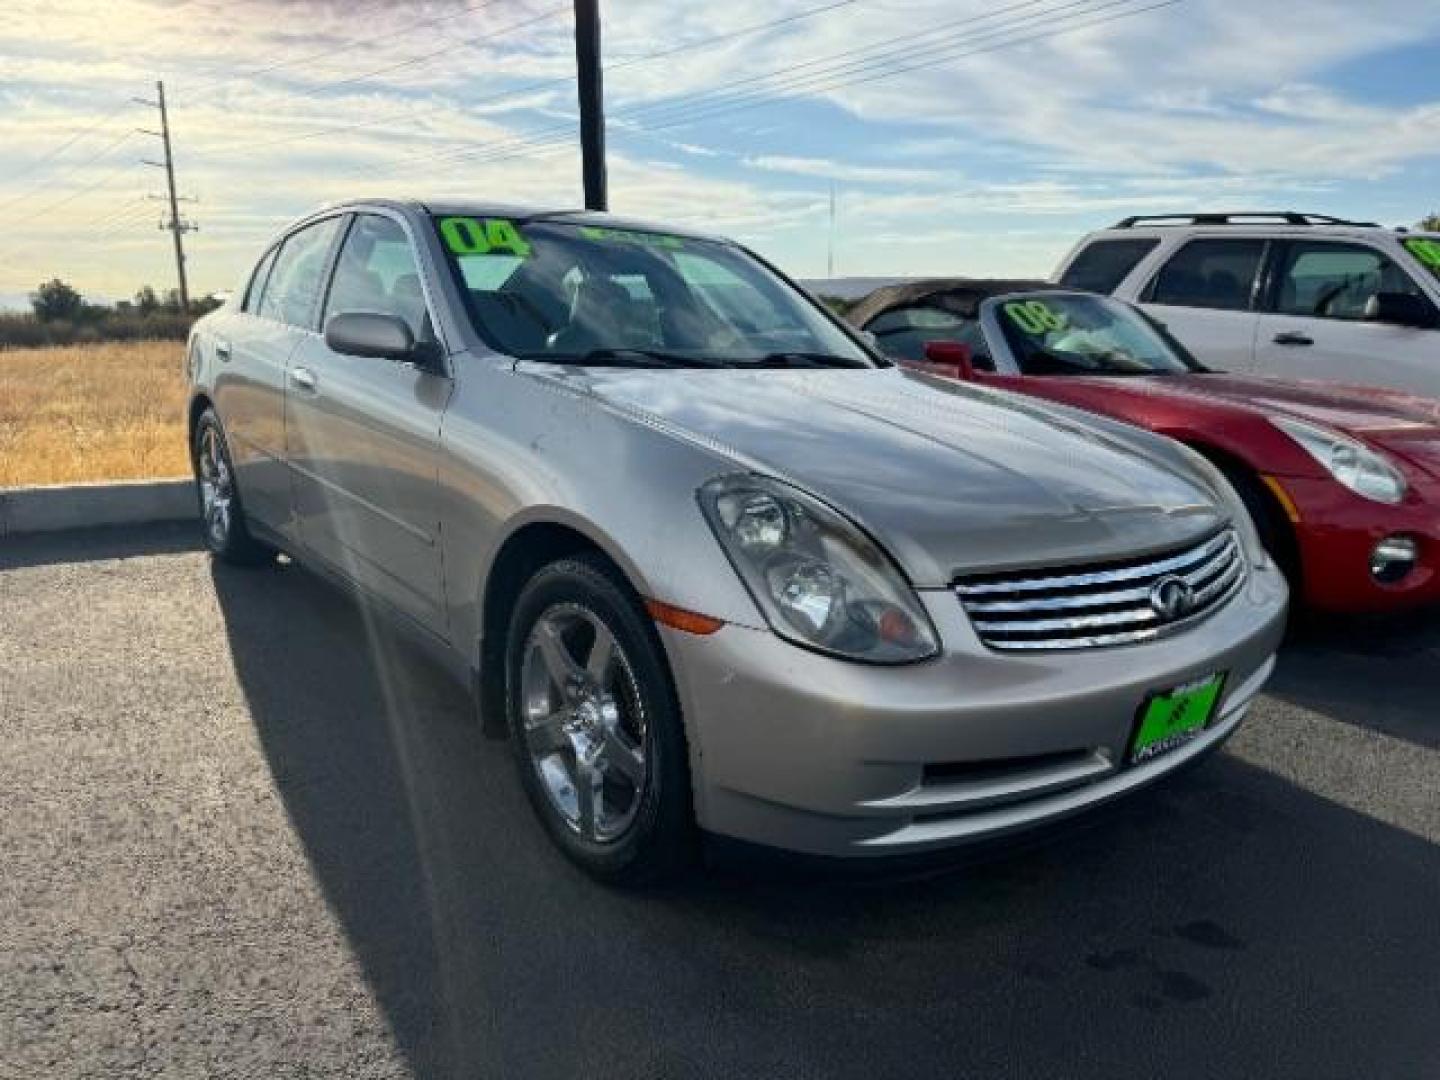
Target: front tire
(221, 514)
(1276, 534)
(595, 724)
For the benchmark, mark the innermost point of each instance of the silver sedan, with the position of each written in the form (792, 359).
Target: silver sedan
(709, 561)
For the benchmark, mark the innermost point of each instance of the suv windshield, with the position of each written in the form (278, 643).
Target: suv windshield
(1074, 334)
(549, 290)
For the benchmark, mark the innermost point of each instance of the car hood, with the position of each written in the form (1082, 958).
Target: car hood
(952, 479)
(1403, 424)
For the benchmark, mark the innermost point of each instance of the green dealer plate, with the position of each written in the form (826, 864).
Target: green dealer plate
(1171, 718)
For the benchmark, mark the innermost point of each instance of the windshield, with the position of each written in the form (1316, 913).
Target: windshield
(1077, 334)
(546, 290)
(1427, 250)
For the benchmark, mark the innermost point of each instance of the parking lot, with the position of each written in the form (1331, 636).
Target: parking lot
(245, 831)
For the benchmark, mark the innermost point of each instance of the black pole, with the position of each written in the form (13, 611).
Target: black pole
(592, 103)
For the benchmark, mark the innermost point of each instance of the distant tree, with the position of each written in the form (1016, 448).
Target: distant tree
(1430, 224)
(146, 302)
(56, 300)
(172, 300)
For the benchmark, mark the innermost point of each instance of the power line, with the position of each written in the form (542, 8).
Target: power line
(937, 51)
(71, 141)
(357, 43)
(708, 105)
(881, 51)
(412, 61)
(79, 192)
(731, 35)
(1070, 27)
(69, 170)
(128, 218)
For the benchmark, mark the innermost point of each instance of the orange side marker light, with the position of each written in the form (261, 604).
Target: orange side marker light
(692, 622)
(1286, 503)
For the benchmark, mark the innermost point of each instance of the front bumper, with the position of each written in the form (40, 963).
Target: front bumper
(795, 750)
(1337, 532)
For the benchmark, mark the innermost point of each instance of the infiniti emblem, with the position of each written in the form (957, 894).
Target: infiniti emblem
(1171, 598)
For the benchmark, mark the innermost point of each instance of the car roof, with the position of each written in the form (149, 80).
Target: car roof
(960, 295)
(448, 207)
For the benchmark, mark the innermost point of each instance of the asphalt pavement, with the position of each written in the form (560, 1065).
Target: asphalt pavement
(245, 831)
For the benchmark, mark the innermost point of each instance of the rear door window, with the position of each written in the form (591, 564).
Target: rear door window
(257, 282)
(1103, 265)
(1336, 281)
(293, 292)
(1216, 274)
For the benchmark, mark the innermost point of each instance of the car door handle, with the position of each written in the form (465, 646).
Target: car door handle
(222, 351)
(302, 378)
(1293, 338)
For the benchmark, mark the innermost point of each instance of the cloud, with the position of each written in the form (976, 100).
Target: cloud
(989, 160)
(858, 174)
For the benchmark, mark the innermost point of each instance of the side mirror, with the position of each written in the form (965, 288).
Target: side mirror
(1400, 309)
(370, 333)
(951, 354)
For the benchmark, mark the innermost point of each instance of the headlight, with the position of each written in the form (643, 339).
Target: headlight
(1350, 461)
(819, 580)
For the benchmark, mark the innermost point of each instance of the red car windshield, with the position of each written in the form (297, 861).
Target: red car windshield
(1079, 334)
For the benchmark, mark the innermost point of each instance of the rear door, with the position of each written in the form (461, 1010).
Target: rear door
(1205, 294)
(1316, 326)
(251, 350)
(363, 434)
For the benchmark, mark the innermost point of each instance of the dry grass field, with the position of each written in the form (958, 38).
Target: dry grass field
(92, 412)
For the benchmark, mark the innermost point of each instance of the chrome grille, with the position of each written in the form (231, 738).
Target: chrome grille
(1114, 604)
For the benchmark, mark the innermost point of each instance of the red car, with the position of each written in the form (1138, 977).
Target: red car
(1343, 481)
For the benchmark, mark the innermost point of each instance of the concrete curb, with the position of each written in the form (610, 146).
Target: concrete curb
(84, 506)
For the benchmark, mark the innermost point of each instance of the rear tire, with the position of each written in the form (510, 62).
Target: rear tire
(222, 515)
(595, 724)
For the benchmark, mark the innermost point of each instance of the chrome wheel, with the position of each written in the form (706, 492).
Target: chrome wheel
(217, 486)
(583, 722)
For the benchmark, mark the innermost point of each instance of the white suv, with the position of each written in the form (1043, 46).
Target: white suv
(1292, 295)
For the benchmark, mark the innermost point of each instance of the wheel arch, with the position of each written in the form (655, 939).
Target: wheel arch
(1239, 470)
(199, 402)
(528, 546)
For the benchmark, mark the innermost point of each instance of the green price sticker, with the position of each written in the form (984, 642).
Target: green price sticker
(1035, 317)
(1427, 251)
(483, 236)
(625, 236)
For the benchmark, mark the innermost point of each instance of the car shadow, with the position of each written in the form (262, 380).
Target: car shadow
(1226, 923)
(1371, 672)
(88, 545)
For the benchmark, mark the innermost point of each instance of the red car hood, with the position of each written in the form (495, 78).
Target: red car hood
(1405, 425)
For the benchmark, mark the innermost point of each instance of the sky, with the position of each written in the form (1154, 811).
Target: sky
(958, 137)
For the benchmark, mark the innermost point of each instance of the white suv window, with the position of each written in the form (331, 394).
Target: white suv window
(1104, 264)
(1336, 281)
(1209, 274)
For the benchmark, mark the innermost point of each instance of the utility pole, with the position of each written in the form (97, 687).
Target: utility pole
(830, 262)
(592, 103)
(176, 226)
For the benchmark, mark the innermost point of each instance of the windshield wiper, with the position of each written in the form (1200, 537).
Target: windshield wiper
(805, 359)
(636, 358)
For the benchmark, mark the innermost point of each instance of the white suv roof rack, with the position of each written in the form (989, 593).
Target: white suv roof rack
(1282, 217)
